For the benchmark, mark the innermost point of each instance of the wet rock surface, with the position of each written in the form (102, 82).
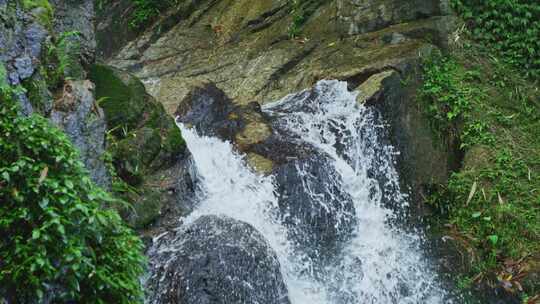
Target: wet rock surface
(217, 259)
(319, 214)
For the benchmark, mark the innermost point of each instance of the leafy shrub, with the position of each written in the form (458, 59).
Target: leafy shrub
(55, 239)
(512, 27)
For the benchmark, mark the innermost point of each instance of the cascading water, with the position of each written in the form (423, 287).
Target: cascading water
(374, 261)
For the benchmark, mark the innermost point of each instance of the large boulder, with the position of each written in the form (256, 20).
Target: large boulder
(216, 259)
(148, 152)
(320, 215)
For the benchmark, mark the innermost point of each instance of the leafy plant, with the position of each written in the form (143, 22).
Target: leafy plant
(147, 10)
(56, 240)
(301, 10)
(511, 27)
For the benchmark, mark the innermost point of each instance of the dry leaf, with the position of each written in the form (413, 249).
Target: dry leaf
(471, 194)
(43, 175)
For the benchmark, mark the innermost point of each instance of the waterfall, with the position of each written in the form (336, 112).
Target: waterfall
(376, 260)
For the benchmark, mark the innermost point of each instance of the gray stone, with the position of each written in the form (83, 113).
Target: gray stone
(77, 15)
(84, 123)
(24, 67)
(216, 259)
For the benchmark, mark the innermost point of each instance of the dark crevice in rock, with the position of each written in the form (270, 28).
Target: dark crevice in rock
(199, 14)
(357, 79)
(267, 19)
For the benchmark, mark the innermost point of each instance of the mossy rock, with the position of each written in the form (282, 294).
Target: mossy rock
(121, 95)
(145, 210)
(134, 154)
(128, 107)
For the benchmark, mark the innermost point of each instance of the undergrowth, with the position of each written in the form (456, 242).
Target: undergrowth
(492, 205)
(510, 27)
(57, 242)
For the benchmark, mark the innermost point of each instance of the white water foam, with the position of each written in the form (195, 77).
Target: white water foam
(381, 263)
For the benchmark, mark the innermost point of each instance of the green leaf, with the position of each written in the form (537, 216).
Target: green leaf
(493, 239)
(69, 184)
(36, 234)
(476, 214)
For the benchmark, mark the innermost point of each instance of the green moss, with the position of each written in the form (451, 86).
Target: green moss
(174, 142)
(43, 10)
(122, 97)
(492, 203)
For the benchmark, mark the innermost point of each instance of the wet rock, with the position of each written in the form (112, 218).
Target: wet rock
(84, 123)
(422, 160)
(356, 16)
(313, 204)
(208, 109)
(212, 113)
(216, 259)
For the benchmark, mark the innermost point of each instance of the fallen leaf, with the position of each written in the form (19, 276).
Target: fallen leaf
(471, 194)
(43, 175)
(500, 198)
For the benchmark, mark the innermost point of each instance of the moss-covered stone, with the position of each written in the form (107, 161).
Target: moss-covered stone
(133, 155)
(154, 140)
(121, 95)
(42, 10)
(145, 141)
(145, 210)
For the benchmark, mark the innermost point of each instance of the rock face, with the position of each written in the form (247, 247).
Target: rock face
(358, 16)
(84, 123)
(244, 49)
(216, 260)
(77, 16)
(21, 40)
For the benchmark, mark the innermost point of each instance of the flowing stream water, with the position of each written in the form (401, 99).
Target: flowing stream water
(379, 261)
